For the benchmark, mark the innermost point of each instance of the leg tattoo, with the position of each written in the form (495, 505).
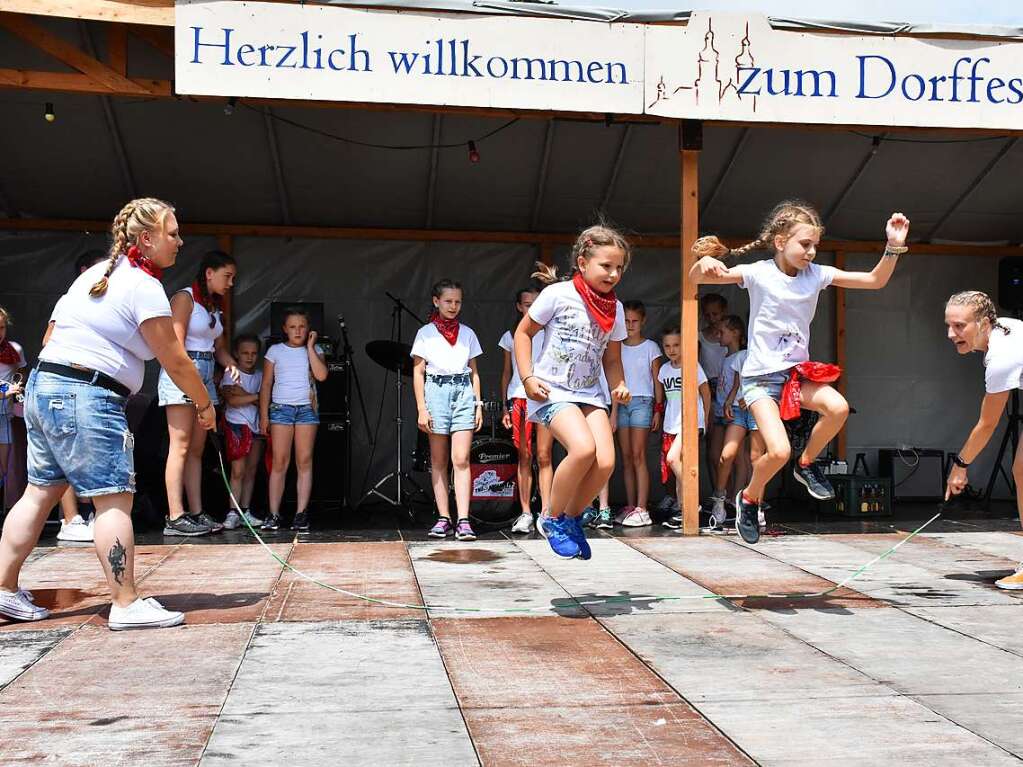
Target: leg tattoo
(116, 559)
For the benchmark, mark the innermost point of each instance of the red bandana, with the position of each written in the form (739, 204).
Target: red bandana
(8, 354)
(210, 303)
(817, 372)
(603, 307)
(447, 328)
(136, 259)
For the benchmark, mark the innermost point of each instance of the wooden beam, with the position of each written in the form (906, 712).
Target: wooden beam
(159, 38)
(547, 253)
(159, 12)
(841, 359)
(117, 48)
(690, 145)
(73, 82)
(68, 54)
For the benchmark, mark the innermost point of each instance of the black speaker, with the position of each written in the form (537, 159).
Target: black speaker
(917, 474)
(1010, 283)
(332, 392)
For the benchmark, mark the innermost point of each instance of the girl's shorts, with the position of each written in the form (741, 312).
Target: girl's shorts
(638, 414)
(743, 418)
(545, 415)
(451, 403)
(168, 392)
(767, 386)
(293, 415)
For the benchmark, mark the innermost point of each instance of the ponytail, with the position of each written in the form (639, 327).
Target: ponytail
(780, 221)
(981, 304)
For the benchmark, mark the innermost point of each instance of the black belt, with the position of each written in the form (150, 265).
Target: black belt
(200, 355)
(93, 377)
(450, 378)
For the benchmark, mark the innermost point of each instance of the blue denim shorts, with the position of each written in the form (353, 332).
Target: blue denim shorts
(6, 433)
(743, 418)
(451, 403)
(78, 434)
(638, 414)
(763, 387)
(169, 394)
(293, 415)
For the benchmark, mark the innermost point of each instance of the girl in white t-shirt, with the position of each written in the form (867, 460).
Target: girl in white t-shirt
(783, 293)
(199, 325)
(974, 326)
(516, 418)
(12, 376)
(447, 387)
(584, 325)
(243, 439)
(641, 359)
(713, 309)
(288, 414)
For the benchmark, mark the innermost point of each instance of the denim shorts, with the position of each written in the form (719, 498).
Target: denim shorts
(638, 414)
(767, 386)
(451, 403)
(169, 394)
(743, 418)
(6, 434)
(78, 434)
(293, 415)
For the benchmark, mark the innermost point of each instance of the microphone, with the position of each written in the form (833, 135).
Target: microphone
(341, 320)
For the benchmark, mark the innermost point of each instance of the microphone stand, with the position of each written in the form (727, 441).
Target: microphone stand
(351, 375)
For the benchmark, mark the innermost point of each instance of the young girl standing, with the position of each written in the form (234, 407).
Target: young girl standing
(516, 418)
(197, 321)
(584, 325)
(288, 413)
(244, 441)
(641, 360)
(783, 299)
(447, 386)
(12, 374)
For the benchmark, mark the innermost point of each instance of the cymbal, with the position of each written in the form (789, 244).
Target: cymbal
(391, 355)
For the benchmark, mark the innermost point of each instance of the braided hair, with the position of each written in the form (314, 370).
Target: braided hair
(588, 240)
(143, 214)
(981, 304)
(780, 221)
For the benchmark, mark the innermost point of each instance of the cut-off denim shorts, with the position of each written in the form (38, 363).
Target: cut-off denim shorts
(78, 434)
(169, 394)
(763, 387)
(293, 415)
(638, 414)
(451, 403)
(742, 417)
(545, 415)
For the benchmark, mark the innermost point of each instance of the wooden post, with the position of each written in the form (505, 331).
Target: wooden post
(546, 253)
(840, 355)
(225, 242)
(690, 144)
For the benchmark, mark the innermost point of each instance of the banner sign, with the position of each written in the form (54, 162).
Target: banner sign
(274, 50)
(718, 67)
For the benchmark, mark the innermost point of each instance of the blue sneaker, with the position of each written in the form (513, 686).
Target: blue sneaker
(589, 516)
(575, 531)
(556, 530)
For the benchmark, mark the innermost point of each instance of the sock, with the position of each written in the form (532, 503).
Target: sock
(803, 463)
(749, 500)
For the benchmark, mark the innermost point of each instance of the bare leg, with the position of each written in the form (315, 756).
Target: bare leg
(674, 461)
(193, 468)
(834, 411)
(1017, 475)
(777, 449)
(180, 422)
(715, 443)
(571, 429)
(281, 437)
(639, 469)
(69, 505)
(21, 531)
(305, 442)
(734, 438)
(440, 450)
(115, 546)
(238, 479)
(524, 476)
(596, 479)
(461, 443)
(629, 472)
(252, 461)
(544, 464)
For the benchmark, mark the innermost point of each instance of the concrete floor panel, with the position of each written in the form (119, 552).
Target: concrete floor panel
(998, 625)
(19, 650)
(996, 544)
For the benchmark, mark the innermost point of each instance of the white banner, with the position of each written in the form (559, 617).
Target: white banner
(732, 67)
(273, 50)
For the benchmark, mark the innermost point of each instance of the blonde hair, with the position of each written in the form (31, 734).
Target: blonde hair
(586, 243)
(981, 304)
(780, 221)
(6, 316)
(143, 214)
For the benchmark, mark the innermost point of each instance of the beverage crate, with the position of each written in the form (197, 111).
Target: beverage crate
(860, 496)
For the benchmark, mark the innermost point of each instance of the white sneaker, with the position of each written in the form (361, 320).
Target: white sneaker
(19, 607)
(718, 515)
(252, 518)
(539, 522)
(233, 520)
(762, 519)
(143, 614)
(638, 517)
(77, 530)
(524, 524)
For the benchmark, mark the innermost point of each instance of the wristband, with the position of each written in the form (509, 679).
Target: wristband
(658, 407)
(527, 378)
(893, 250)
(204, 408)
(958, 461)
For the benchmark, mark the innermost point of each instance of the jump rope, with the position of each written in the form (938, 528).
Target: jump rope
(548, 607)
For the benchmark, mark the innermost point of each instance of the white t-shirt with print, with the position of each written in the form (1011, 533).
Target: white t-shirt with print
(781, 310)
(441, 357)
(247, 415)
(515, 388)
(733, 364)
(572, 360)
(103, 333)
(1003, 361)
(199, 336)
(637, 361)
(712, 356)
(292, 374)
(671, 379)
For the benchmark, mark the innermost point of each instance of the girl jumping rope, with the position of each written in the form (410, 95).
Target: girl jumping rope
(584, 325)
(516, 418)
(783, 293)
(447, 386)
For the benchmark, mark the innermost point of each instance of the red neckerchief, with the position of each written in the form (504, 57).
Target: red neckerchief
(603, 307)
(818, 372)
(447, 328)
(139, 261)
(210, 303)
(8, 354)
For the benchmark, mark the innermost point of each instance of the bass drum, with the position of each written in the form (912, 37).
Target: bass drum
(493, 463)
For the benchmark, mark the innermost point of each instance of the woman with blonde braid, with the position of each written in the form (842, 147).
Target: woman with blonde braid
(974, 326)
(113, 318)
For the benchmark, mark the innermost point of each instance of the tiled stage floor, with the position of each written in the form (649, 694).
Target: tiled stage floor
(920, 662)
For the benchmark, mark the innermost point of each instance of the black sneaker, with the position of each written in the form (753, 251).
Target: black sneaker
(301, 521)
(747, 521)
(272, 522)
(207, 519)
(186, 525)
(813, 479)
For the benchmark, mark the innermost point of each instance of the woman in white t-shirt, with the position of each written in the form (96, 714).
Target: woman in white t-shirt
(289, 414)
(449, 409)
(113, 318)
(12, 377)
(243, 439)
(974, 326)
(198, 321)
(783, 293)
(516, 418)
(584, 325)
